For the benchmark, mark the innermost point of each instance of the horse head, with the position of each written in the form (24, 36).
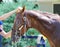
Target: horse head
(20, 24)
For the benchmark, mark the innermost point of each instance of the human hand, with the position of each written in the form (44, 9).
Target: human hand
(20, 9)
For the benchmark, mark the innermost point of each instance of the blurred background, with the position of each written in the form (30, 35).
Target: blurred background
(6, 6)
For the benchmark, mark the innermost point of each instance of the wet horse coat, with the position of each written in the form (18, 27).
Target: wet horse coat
(46, 23)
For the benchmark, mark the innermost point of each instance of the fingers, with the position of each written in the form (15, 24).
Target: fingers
(19, 9)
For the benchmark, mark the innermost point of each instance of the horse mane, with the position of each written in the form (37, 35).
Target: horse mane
(48, 14)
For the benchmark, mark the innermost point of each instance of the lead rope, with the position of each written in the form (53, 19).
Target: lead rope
(25, 19)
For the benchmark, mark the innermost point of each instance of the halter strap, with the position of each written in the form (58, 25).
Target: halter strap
(24, 25)
(21, 27)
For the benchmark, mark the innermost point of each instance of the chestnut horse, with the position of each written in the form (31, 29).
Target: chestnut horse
(47, 24)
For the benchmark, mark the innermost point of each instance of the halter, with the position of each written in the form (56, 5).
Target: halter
(24, 25)
(18, 34)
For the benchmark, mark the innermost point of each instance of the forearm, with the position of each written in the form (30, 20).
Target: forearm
(3, 17)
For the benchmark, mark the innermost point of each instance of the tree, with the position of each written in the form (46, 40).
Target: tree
(15, 1)
(0, 1)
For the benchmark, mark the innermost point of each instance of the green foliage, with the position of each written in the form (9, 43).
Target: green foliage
(8, 26)
(8, 23)
(32, 31)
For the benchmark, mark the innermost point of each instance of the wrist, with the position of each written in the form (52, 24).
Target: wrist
(15, 10)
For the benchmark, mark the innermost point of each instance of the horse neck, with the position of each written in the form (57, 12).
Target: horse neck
(37, 24)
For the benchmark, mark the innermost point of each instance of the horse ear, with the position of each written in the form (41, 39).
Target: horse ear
(23, 9)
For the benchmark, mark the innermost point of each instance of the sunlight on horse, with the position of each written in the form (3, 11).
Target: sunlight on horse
(46, 23)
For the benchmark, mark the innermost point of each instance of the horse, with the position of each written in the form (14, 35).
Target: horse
(46, 23)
